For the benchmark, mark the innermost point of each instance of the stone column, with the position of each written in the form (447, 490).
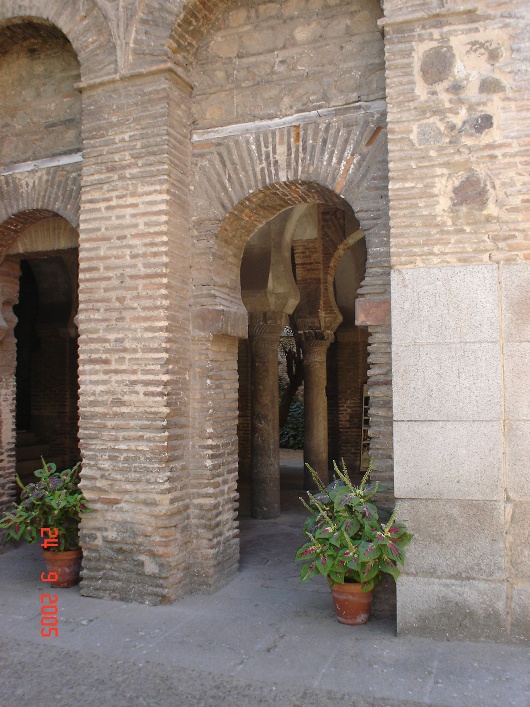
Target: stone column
(314, 351)
(265, 469)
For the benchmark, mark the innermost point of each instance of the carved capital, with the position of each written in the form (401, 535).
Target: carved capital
(263, 337)
(264, 333)
(315, 346)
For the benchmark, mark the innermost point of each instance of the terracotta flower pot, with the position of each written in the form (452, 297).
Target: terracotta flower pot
(67, 564)
(351, 604)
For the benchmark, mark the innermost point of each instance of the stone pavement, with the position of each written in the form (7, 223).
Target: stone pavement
(263, 639)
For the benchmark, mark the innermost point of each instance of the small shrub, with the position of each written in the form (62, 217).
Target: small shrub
(292, 433)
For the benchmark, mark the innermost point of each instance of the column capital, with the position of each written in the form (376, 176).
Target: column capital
(315, 345)
(266, 326)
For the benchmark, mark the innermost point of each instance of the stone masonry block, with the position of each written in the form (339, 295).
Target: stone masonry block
(515, 283)
(445, 304)
(447, 609)
(517, 381)
(520, 628)
(455, 539)
(517, 460)
(458, 460)
(518, 538)
(447, 381)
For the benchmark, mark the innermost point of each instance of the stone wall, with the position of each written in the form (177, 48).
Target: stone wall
(457, 99)
(41, 108)
(262, 61)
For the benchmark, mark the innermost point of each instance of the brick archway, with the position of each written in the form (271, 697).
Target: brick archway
(88, 31)
(219, 320)
(171, 29)
(10, 229)
(30, 197)
(344, 154)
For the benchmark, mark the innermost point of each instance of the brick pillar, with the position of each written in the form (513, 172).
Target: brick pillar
(244, 408)
(134, 337)
(374, 313)
(314, 352)
(9, 273)
(213, 459)
(265, 493)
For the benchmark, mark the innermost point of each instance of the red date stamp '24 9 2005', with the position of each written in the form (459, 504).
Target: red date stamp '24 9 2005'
(48, 602)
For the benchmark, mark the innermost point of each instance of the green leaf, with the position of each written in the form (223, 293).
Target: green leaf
(370, 572)
(390, 569)
(308, 571)
(350, 526)
(306, 553)
(367, 586)
(323, 565)
(367, 552)
(325, 532)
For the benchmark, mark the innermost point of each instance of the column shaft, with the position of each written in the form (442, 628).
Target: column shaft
(265, 469)
(315, 409)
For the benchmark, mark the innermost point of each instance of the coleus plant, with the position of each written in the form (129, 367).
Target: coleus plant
(347, 540)
(54, 501)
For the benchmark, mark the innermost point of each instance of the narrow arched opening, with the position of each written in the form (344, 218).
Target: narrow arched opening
(300, 272)
(45, 256)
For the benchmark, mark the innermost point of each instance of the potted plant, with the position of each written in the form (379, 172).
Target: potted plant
(49, 512)
(349, 544)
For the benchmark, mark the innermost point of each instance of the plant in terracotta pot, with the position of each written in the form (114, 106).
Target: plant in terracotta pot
(349, 544)
(49, 513)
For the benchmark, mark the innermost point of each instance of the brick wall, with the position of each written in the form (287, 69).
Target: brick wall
(41, 106)
(9, 272)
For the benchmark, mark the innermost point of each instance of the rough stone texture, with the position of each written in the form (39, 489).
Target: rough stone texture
(443, 305)
(471, 545)
(520, 625)
(447, 381)
(447, 67)
(515, 288)
(38, 94)
(460, 329)
(518, 534)
(465, 610)
(517, 380)
(517, 456)
(458, 460)
(265, 61)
